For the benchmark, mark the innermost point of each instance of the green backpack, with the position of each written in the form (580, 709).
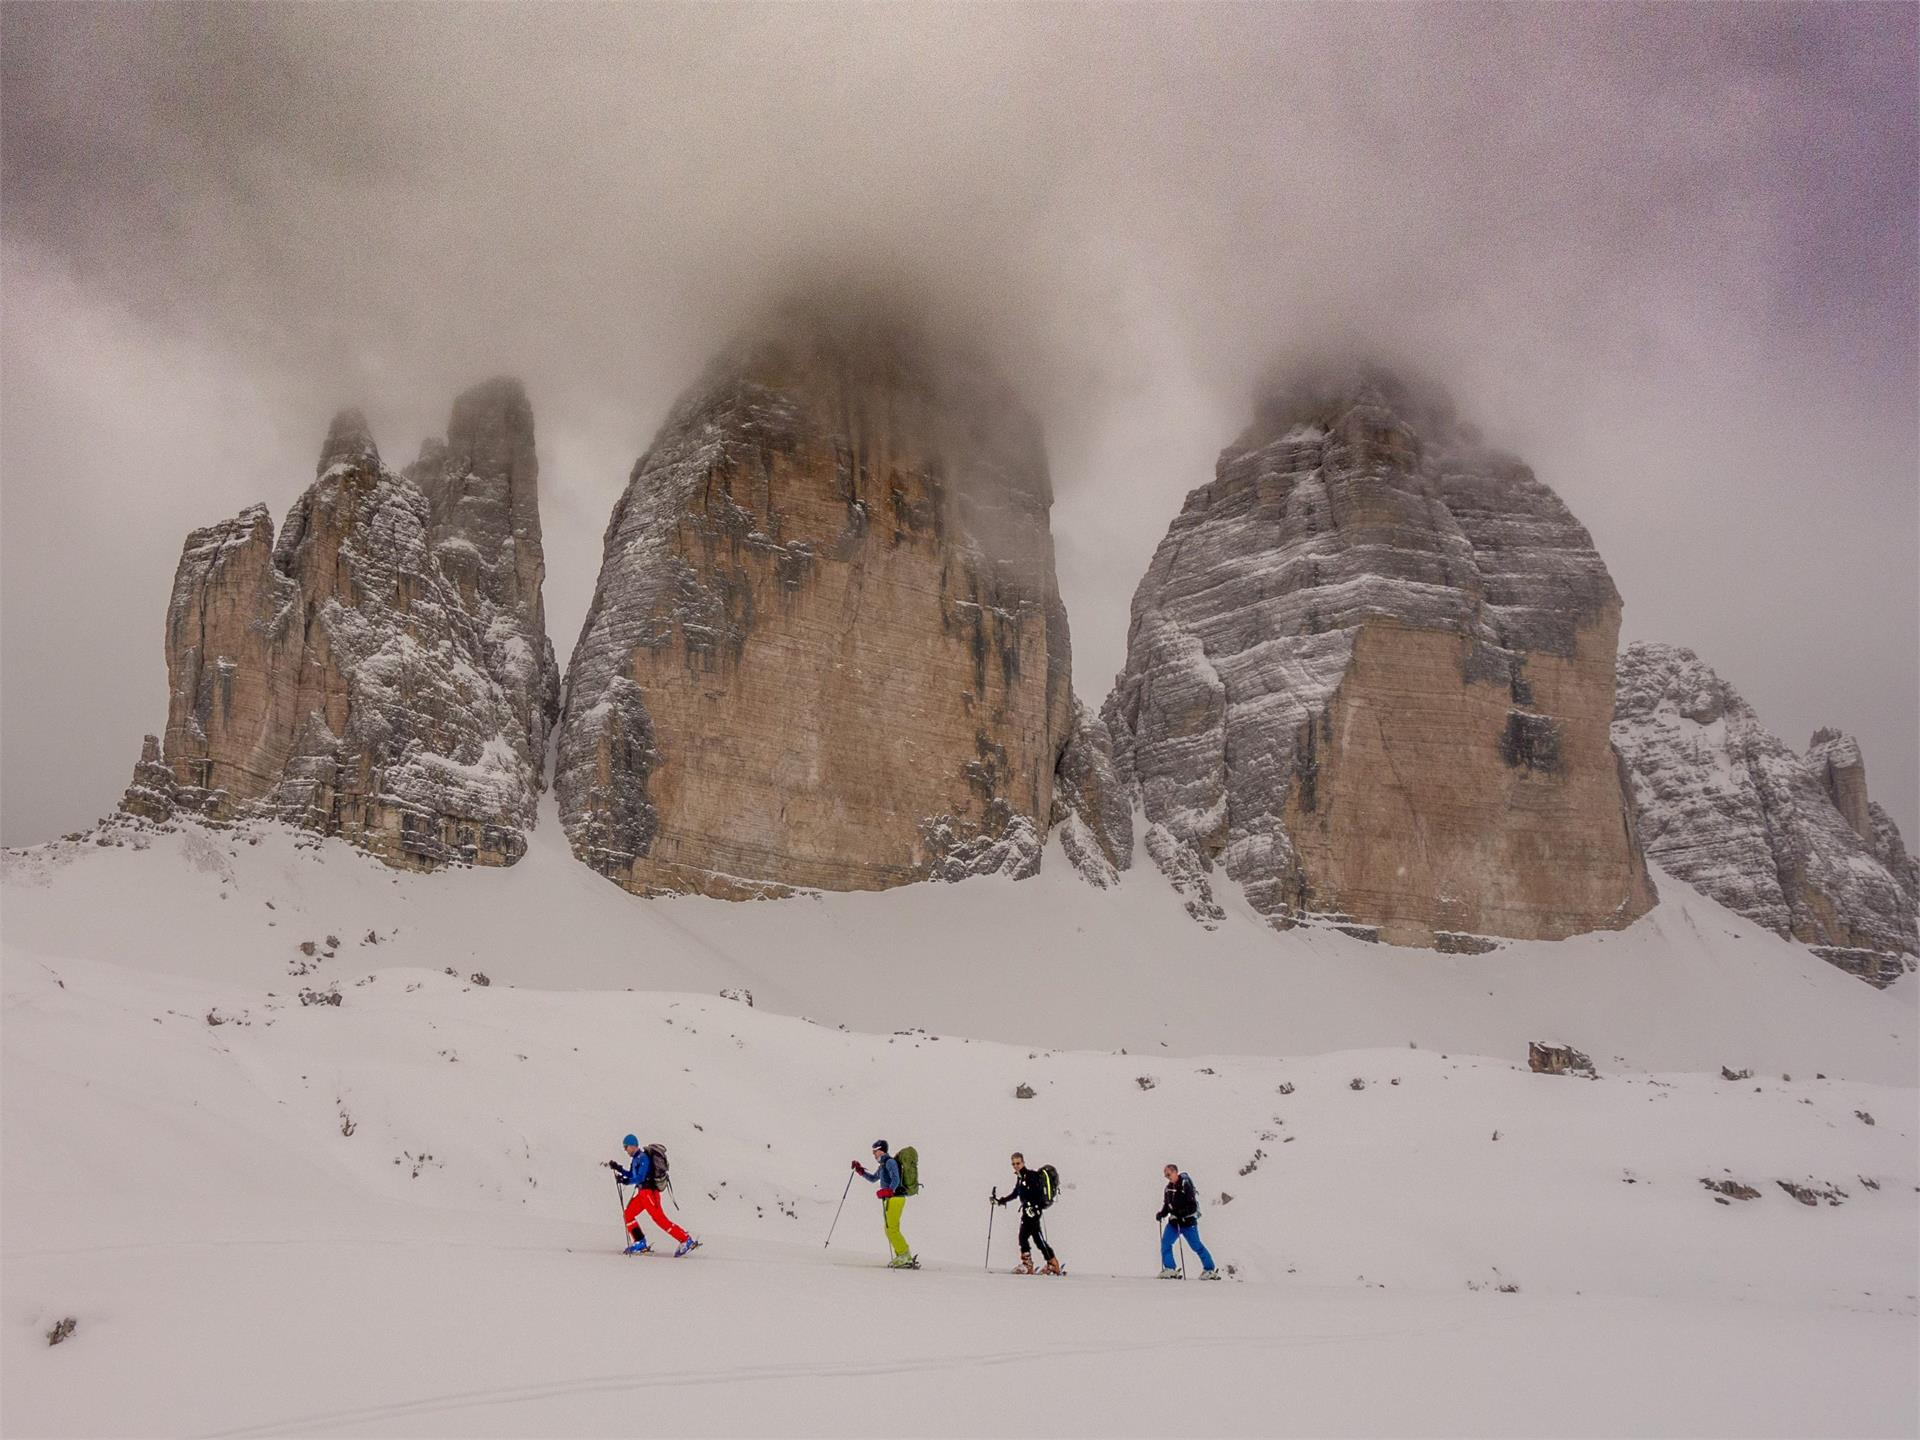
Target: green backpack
(909, 1161)
(1049, 1185)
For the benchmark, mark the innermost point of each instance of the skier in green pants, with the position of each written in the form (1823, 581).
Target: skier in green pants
(893, 1199)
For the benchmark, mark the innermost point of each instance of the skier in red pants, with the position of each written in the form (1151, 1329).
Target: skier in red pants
(647, 1178)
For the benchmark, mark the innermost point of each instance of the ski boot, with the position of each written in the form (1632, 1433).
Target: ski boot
(686, 1245)
(1213, 1274)
(639, 1247)
(904, 1262)
(1025, 1267)
(1166, 1274)
(1054, 1267)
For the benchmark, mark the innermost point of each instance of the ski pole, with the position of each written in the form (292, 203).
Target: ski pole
(992, 1205)
(836, 1214)
(1180, 1239)
(620, 1199)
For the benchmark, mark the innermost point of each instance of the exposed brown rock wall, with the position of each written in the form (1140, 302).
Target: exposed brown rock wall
(826, 649)
(1431, 823)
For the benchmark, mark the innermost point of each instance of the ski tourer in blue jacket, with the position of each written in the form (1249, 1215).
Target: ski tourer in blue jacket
(638, 1172)
(639, 1166)
(886, 1172)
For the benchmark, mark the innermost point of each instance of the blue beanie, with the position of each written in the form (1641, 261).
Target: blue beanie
(630, 1140)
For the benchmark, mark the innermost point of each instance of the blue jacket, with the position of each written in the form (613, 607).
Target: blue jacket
(638, 1169)
(887, 1172)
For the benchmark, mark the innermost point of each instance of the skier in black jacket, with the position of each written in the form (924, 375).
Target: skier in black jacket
(1181, 1210)
(1030, 1189)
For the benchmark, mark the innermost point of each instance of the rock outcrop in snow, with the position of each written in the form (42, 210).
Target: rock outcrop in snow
(381, 671)
(1369, 677)
(826, 648)
(1790, 841)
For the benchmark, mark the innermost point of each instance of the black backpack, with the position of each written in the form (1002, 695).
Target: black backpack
(657, 1173)
(1185, 1206)
(1047, 1190)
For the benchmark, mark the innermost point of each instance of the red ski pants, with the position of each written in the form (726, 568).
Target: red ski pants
(649, 1201)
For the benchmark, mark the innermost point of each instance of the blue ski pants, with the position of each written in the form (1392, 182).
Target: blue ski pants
(1189, 1233)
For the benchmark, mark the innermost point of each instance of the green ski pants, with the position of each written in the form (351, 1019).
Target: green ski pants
(894, 1238)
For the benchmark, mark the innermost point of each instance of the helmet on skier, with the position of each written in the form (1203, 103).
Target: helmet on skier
(881, 1146)
(632, 1142)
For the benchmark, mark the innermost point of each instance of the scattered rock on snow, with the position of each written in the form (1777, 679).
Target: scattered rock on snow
(1812, 1195)
(1557, 1060)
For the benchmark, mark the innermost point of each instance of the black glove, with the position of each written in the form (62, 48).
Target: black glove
(1161, 1216)
(616, 1167)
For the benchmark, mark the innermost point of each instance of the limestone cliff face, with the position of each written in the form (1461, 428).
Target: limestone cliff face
(482, 484)
(826, 648)
(1092, 807)
(1791, 841)
(1369, 676)
(343, 679)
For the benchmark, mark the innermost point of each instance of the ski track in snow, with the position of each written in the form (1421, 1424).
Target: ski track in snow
(850, 1370)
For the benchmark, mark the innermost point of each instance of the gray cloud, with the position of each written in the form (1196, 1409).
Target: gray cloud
(1666, 253)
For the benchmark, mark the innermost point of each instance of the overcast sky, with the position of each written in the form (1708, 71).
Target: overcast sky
(1666, 254)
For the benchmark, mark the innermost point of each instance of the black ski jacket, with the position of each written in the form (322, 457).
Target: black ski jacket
(1027, 1191)
(1181, 1204)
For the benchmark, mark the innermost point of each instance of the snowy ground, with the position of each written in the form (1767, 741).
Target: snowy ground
(179, 1176)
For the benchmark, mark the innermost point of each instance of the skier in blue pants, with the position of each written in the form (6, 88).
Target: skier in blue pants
(1181, 1211)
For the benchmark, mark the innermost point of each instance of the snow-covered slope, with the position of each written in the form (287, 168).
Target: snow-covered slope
(1043, 961)
(386, 1216)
